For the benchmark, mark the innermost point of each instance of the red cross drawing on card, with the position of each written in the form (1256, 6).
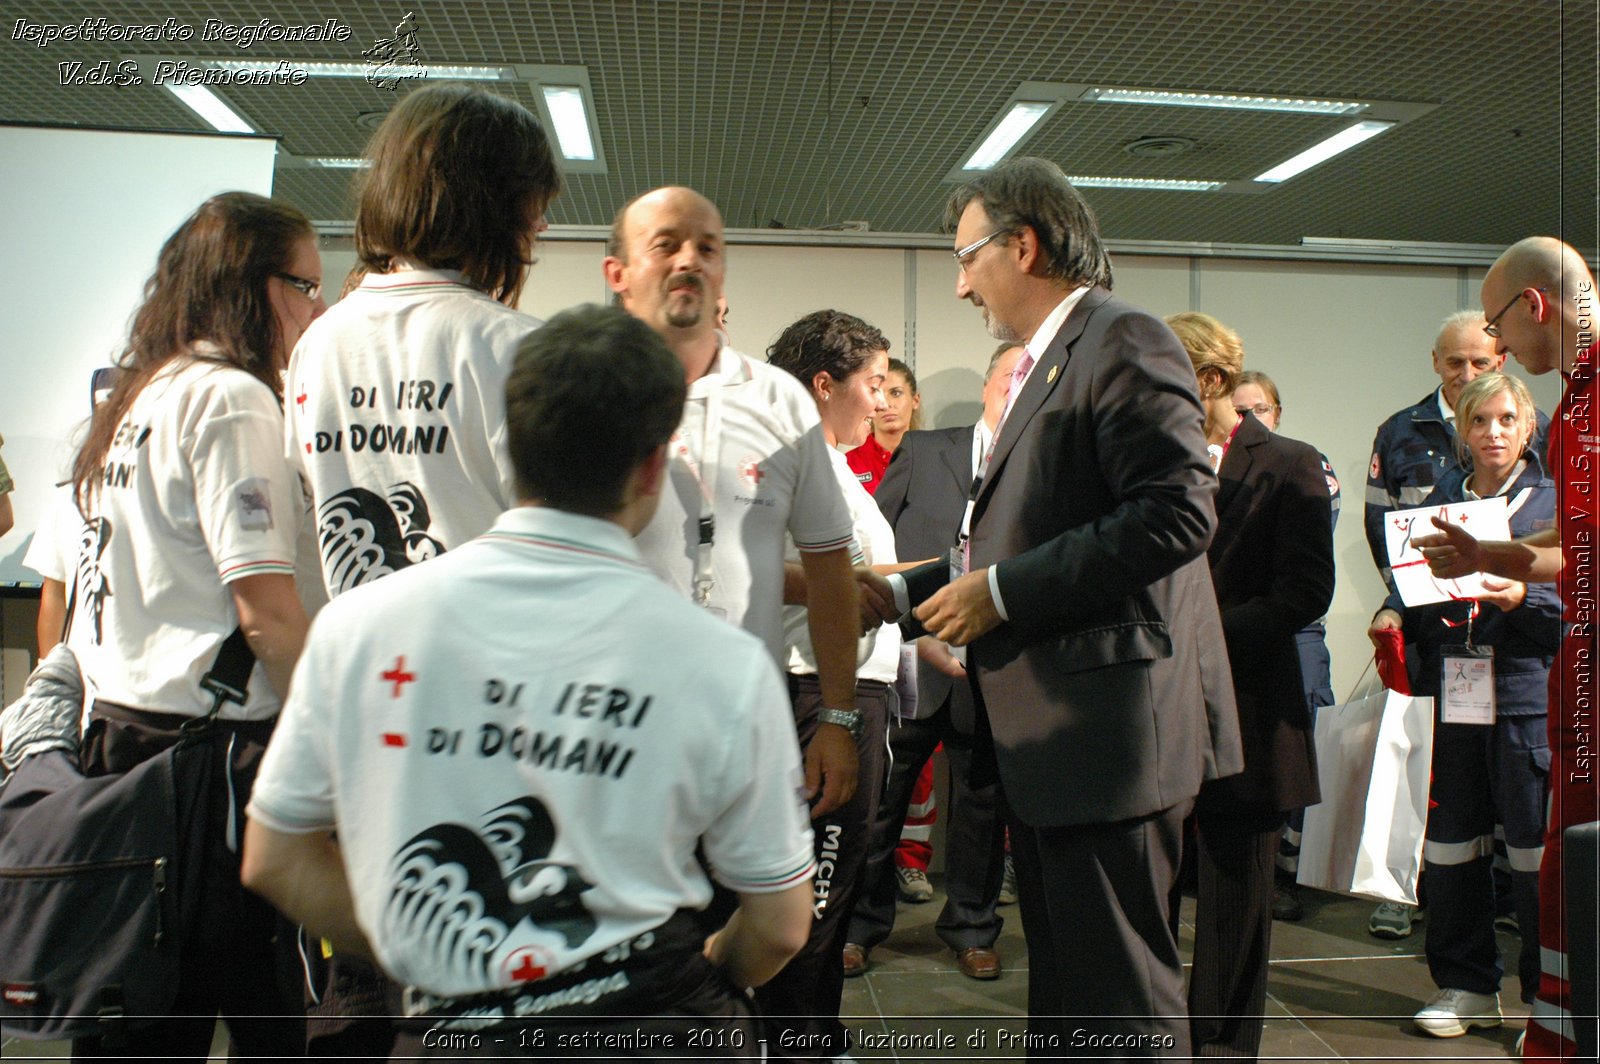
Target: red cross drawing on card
(301, 399)
(398, 676)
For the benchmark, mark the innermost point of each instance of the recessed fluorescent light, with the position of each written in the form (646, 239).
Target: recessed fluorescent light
(1341, 141)
(1227, 100)
(568, 115)
(319, 69)
(1158, 184)
(209, 106)
(338, 162)
(1017, 123)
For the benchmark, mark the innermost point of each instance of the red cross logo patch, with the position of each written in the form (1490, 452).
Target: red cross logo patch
(398, 676)
(750, 472)
(528, 964)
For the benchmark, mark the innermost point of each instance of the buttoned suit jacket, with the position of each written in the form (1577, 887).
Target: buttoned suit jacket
(923, 495)
(1107, 692)
(1272, 564)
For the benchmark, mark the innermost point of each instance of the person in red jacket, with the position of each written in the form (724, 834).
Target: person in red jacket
(1539, 301)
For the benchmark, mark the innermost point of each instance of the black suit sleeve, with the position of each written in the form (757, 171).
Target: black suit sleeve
(1300, 562)
(1149, 445)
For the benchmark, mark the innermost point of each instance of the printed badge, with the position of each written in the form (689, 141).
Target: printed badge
(254, 502)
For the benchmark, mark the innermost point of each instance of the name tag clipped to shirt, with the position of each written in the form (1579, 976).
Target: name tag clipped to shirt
(1466, 693)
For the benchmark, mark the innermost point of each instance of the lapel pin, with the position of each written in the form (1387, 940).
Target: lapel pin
(1050, 378)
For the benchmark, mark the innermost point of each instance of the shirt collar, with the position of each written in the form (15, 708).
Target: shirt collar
(728, 369)
(1445, 411)
(544, 526)
(397, 279)
(1045, 334)
(1510, 482)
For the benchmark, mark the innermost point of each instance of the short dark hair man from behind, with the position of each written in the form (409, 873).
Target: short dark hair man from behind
(575, 437)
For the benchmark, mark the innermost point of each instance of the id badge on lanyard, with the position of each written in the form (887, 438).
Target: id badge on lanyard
(1466, 690)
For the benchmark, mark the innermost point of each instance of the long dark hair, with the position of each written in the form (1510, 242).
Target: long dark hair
(458, 175)
(210, 284)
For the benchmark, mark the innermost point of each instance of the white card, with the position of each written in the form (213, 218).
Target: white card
(1467, 694)
(1483, 518)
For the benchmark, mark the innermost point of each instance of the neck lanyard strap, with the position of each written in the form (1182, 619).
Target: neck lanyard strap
(705, 473)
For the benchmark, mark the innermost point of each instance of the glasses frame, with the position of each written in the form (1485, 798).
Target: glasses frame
(963, 256)
(1492, 326)
(1257, 410)
(308, 288)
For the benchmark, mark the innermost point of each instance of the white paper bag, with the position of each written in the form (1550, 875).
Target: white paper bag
(1374, 758)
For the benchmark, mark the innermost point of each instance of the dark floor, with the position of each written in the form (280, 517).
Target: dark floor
(1335, 993)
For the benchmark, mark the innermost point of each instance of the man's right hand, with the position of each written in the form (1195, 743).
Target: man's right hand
(831, 767)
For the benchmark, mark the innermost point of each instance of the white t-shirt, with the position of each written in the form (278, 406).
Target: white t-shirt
(396, 419)
(771, 475)
(53, 551)
(196, 495)
(520, 745)
(878, 654)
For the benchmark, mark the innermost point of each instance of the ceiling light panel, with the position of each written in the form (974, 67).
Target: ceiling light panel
(1227, 101)
(1324, 150)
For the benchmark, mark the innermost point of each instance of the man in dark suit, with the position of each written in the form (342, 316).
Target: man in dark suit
(1095, 641)
(923, 495)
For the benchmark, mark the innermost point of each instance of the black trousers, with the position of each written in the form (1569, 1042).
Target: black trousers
(1234, 850)
(974, 854)
(238, 959)
(802, 1001)
(1104, 974)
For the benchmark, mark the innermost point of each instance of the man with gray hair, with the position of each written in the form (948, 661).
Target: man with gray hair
(1414, 448)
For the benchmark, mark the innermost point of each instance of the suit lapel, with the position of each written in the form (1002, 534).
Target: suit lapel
(1046, 375)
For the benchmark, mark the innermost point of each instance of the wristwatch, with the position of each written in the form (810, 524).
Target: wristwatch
(852, 719)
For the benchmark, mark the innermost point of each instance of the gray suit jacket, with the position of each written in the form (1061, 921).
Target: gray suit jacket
(923, 495)
(1108, 691)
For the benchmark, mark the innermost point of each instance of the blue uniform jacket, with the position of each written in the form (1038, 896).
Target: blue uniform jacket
(1525, 640)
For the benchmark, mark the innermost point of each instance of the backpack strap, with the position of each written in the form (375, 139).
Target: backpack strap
(229, 677)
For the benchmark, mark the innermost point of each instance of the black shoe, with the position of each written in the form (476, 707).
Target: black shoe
(1286, 901)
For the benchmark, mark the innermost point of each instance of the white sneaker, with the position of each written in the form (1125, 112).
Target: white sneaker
(1392, 919)
(1454, 1012)
(912, 885)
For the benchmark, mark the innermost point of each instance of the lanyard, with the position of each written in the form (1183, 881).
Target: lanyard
(710, 453)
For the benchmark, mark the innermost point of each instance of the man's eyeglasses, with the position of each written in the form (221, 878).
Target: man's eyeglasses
(1493, 326)
(309, 289)
(964, 255)
(1260, 410)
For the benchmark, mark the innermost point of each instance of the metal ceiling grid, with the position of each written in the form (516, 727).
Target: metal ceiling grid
(738, 99)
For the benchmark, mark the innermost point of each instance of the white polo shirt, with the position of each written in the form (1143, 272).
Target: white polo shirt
(521, 744)
(878, 653)
(195, 495)
(770, 474)
(396, 419)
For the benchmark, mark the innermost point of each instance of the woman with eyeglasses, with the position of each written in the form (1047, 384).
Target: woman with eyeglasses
(1484, 774)
(1272, 565)
(191, 517)
(1258, 395)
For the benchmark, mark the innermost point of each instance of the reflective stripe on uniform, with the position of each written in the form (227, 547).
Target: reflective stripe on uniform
(1554, 1019)
(1413, 495)
(1457, 853)
(1553, 963)
(1525, 860)
(1377, 495)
